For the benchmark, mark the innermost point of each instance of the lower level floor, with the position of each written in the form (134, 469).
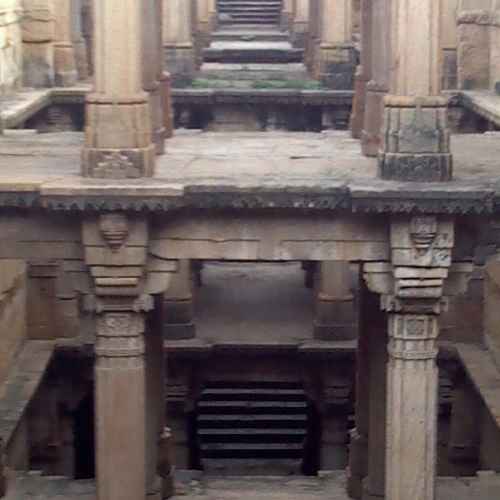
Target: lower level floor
(193, 486)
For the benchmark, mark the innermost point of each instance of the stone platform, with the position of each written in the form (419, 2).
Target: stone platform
(246, 171)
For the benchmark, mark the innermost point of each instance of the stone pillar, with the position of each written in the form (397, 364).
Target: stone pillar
(203, 23)
(155, 409)
(448, 49)
(363, 71)
(287, 14)
(312, 39)
(377, 49)
(300, 30)
(79, 43)
(374, 483)
(416, 144)
(66, 73)
(369, 306)
(88, 32)
(335, 311)
(118, 136)
(178, 308)
(213, 16)
(178, 47)
(120, 405)
(38, 38)
(11, 47)
(421, 257)
(474, 65)
(115, 249)
(335, 54)
(153, 69)
(165, 82)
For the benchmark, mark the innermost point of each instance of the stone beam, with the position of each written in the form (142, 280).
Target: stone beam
(416, 144)
(118, 134)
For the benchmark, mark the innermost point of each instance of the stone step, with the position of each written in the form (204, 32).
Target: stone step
(252, 450)
(249, 11)
(255, 421)
(295, 406)
(254, 72)
(248, 35)
(252, 52)
(252, 467)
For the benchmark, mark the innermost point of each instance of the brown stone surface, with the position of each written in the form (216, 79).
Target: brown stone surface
(50, 163)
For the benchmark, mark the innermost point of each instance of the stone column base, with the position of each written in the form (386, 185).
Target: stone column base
(336, 66)
(416, 140)
(358, 107)
(180, 62)
(374, 111)
(111, 124)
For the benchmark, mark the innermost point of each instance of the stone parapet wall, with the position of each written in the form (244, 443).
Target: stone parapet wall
(10, 46)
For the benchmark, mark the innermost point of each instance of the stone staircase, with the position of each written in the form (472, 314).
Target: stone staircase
(252, 428)
(236, 12)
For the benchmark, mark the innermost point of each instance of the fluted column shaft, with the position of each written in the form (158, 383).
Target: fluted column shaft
(120, 390)
(412, 390)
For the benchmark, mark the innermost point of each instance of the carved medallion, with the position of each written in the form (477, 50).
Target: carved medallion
(423, 232)
(114, 229)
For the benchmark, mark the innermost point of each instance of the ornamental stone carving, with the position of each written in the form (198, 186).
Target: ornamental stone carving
(114, 229)
(423, 232)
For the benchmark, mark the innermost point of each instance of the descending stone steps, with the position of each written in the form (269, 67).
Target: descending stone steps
(249, 11)
(252, 427)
